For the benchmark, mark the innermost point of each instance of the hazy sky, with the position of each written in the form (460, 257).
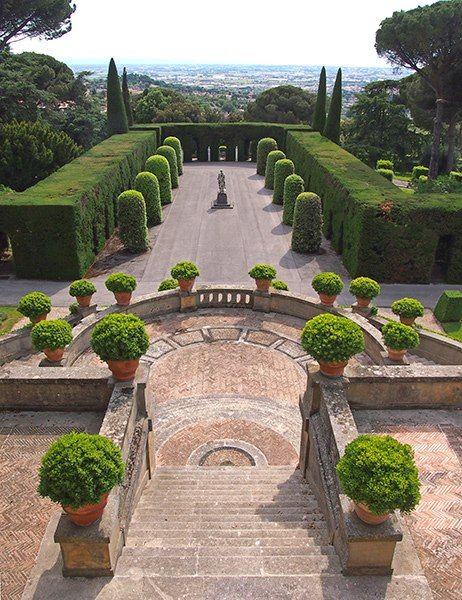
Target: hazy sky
(330, 32)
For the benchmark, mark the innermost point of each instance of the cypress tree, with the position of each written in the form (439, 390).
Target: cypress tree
(332, 128)
(126, 97)
(116, 115)
(319, 119)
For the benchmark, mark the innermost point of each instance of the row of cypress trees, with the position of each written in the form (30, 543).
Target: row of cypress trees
(328, 125)
(119, 110)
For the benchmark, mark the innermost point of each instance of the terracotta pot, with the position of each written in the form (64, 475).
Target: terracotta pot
(123, 298)
(396, 354)
(54, 355)
(407, 320)
(87, 514)
(84, 301)
(327, 300)
(363, 302)
(263, 285)
(332, 369)
(363, 512)
(39, 318)
(123, 370)
(186, 285)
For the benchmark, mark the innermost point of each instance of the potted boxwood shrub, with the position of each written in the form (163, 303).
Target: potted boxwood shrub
(263, 275)
(408, 309)
(332, 341)
(328, 286)
(185, 272)
(120, 340)
(167, 284)
(35, 305)
(78, 471)
(399, 338)
(82, 290)
(122, 286)
(364, 289)
(277, 284)
(51, 337)
(379, 474)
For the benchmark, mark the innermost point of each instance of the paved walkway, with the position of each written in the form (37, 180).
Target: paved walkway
(224, 243)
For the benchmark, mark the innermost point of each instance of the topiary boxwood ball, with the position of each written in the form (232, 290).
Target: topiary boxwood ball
(169, 153)
(148, 185)
(293, 187)
(400, 337)
(364, 287)
(167, 284)
(262, 271)
(34, 304)
(264, 147)
(51, 334)
(185, 269)
(409, 308)
(81, 288)
(277, 284)
(119, 337)
(131, 212)
(120, 282)
(158, 165)
(175, 143)
(327, 283)
(307, 231)
(331, 339)
(271, 161)
(282, 169)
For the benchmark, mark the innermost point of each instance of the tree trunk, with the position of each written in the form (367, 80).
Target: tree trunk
(437, 129)
(451, 140)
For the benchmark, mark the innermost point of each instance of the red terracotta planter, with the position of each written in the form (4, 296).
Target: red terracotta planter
(38, 318)
(396, 354)
(123, 298)
(332, 369)
(87, 514)
(327, 300)
(186, 285)
(363, 302)
(263, 285)
(84, 301)
(407, 320)
(123, 370)
(54, 355)
(363, 512)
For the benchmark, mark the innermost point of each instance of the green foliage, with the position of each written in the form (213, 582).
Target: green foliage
(265, 146)
(307, 231)
(277, 284)
(119, 337)
(52, 334)
(184, 270)
(387, 173)
(169, 153)
(148, 185)
(162, 105)
(34, 304)
(327, 283)
(29, 152)
(81, 287)
(78, 468)
(293, 187)
(444, 184)
(133, 231)
(364, 287)
(398, 336)
(273, 157)
(126, 98)
(262, 271)
(282, 169)
(456, 175)
(384, 164)
(74, 308)
(418, 171)
(57, 227)
(120, 282)
(332, 339)
(159, 166)
(319, 118)
(168, 284)
(116, 116)
(332, 127)
(175, 143)
(408, 307)
(282, 104)
(449, 306)
(380, 472)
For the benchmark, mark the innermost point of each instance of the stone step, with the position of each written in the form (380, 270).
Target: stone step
(308, 550)
(311, 538)
(226, 486)
(309, 522)
(217, 509)
(256, 532)
(224, 505)
(143, 515)
(271, 494)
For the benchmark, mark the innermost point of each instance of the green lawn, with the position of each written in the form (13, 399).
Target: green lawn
(8, 317)
(454, 330)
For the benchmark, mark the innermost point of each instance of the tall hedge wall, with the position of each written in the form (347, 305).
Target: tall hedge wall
(379, 230)
(57, 226)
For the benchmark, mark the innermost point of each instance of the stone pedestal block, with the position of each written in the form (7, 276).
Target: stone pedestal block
(262, 301)
(188, 301)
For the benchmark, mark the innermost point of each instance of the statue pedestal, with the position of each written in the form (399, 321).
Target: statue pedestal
(222, 201)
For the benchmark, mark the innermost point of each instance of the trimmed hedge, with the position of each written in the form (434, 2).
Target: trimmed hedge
(282, 169)
(148, 185)
(169, 153)
(133, 232)
(265, 146)
(293, 187)
(159, 166)
(387, 173)
(449, 307)
(418, 171)
(271, 161)
(307, 232)
(175, 143)
(384, 164)
(57, 226)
